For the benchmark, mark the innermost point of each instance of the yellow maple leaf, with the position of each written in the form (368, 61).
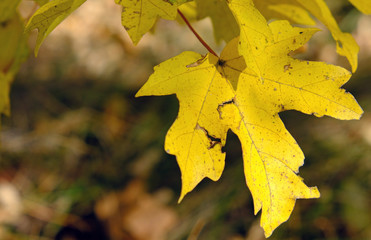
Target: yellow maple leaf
(195, 138)
(49, 16)
(282, 83)
(139, 16)
(362, 5)
(244, 90)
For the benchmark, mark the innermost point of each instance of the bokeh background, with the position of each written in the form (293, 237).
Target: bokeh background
(82, 159)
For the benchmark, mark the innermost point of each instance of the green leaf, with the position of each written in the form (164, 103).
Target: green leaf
(49, 16)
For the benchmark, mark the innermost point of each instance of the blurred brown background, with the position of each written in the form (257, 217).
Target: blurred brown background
(82, 159)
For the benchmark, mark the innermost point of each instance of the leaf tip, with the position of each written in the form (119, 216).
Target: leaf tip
(135, 41)
(180, 199)
(138, 94)
(36, 51)
(267, 234)
(141, 92)
(182, 195)
(28, 26)
(314, 192)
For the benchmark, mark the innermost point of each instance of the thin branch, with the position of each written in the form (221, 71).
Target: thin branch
(196, 34)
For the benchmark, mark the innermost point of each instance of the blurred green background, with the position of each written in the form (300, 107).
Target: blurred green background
(82, 159)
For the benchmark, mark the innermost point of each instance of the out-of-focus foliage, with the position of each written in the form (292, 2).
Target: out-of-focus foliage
(8, 9)
(41, 2)
(13, 51)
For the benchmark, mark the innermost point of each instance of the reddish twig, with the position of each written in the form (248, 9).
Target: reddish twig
(196, 34)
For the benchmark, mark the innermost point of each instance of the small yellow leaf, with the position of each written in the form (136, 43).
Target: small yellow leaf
(224, 24)
(189, 10)
(362, 5)
(49, 16)
(284, 9)
(345, 43)
(139, 16)
(293, 13)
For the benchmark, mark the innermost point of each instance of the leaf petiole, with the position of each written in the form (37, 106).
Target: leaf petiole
(197, 35)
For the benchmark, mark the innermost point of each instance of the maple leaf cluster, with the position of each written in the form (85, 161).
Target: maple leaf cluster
(254, 79)
(243, 90)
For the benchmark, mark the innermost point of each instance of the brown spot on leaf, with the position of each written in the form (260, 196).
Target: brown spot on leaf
(287, 67)
(197, 63)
